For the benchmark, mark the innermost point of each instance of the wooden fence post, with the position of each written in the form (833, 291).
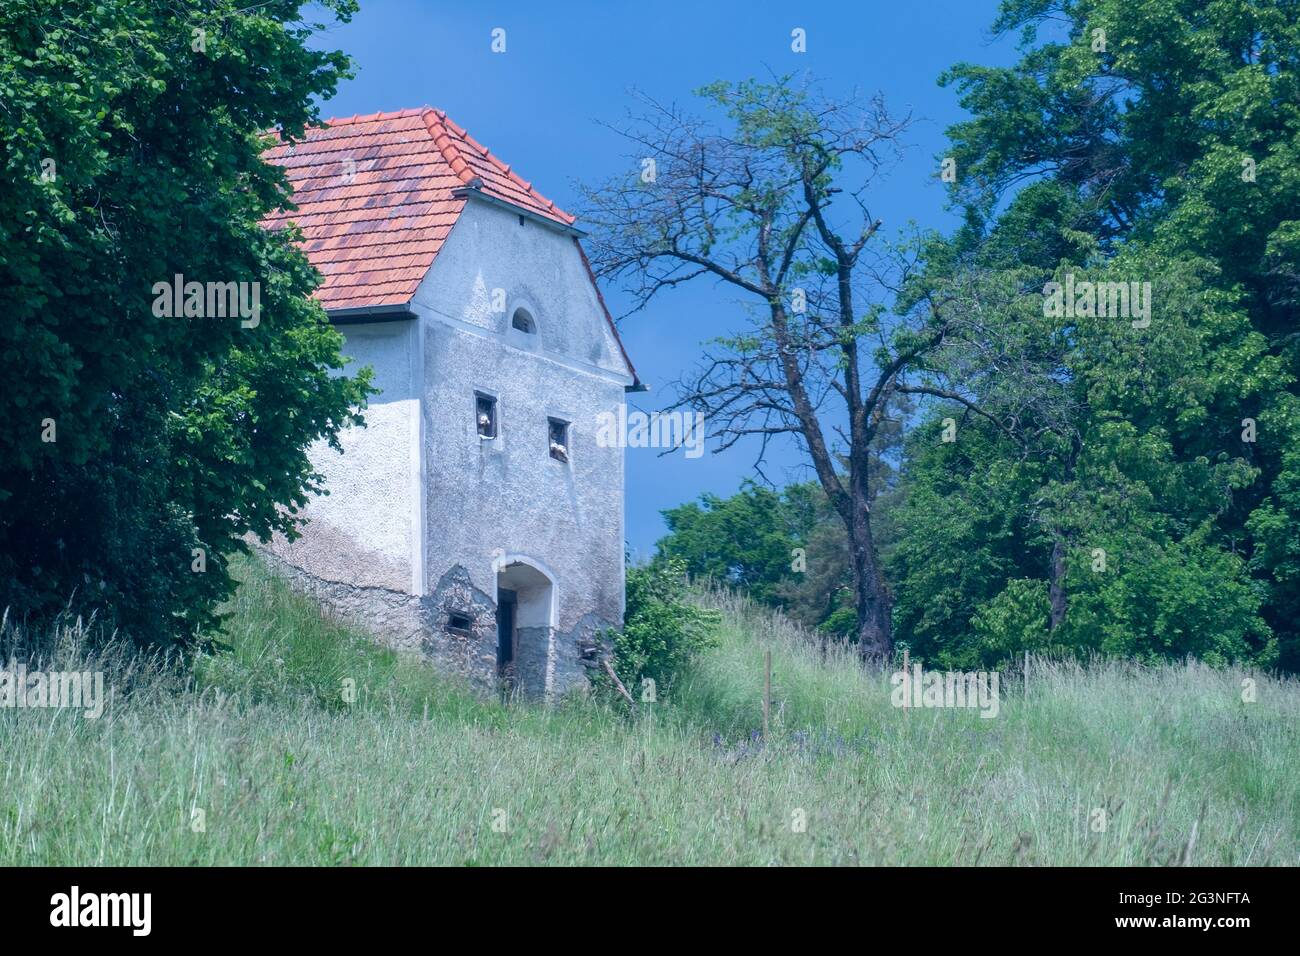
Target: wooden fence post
(767, 693)
(907, 681)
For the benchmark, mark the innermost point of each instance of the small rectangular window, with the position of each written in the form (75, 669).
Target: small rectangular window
(485, 415)
(558, 436)
(458, 623)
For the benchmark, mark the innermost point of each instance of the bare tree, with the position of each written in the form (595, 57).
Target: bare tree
(772, 202)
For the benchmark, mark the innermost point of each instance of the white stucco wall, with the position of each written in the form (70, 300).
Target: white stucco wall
(365, 531)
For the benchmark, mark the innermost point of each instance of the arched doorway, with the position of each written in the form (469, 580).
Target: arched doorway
(525, 623)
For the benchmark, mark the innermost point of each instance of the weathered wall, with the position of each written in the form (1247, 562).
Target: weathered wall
(411, 623)
(364, 532)
(488, 499)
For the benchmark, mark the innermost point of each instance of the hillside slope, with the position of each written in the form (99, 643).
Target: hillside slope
(257, 759)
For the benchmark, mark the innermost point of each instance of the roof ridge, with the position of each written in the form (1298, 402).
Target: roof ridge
(355, 118)
(373, 117)
(505, 169)
(435, 121)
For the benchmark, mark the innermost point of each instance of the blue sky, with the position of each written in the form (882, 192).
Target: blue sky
(568, 67)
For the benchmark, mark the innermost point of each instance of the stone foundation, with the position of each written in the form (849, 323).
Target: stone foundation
(548, 662)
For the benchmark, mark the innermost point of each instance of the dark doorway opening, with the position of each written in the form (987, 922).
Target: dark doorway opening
(506, 603)
(525, 610)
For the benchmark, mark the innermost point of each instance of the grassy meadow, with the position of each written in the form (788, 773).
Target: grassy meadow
(252, 757)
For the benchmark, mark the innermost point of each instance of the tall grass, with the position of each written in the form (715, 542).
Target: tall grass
(259, 746)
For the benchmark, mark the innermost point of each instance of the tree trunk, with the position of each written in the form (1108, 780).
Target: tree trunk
(1056, 594)
(875, 631)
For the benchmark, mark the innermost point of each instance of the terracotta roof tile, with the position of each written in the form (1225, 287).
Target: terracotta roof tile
(376, 198)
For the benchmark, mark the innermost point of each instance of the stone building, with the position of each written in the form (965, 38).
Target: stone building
(476, 518)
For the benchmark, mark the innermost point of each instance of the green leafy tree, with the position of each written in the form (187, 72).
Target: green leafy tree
(748, 540)
(1142, 496)
(138, 449)
(786, 549)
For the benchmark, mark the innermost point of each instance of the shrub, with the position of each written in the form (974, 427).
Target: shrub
(662, 629)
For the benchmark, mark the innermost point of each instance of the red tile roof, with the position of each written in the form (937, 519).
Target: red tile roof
(376, 199)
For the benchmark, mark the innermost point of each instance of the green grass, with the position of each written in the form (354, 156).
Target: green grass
(416, 770)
